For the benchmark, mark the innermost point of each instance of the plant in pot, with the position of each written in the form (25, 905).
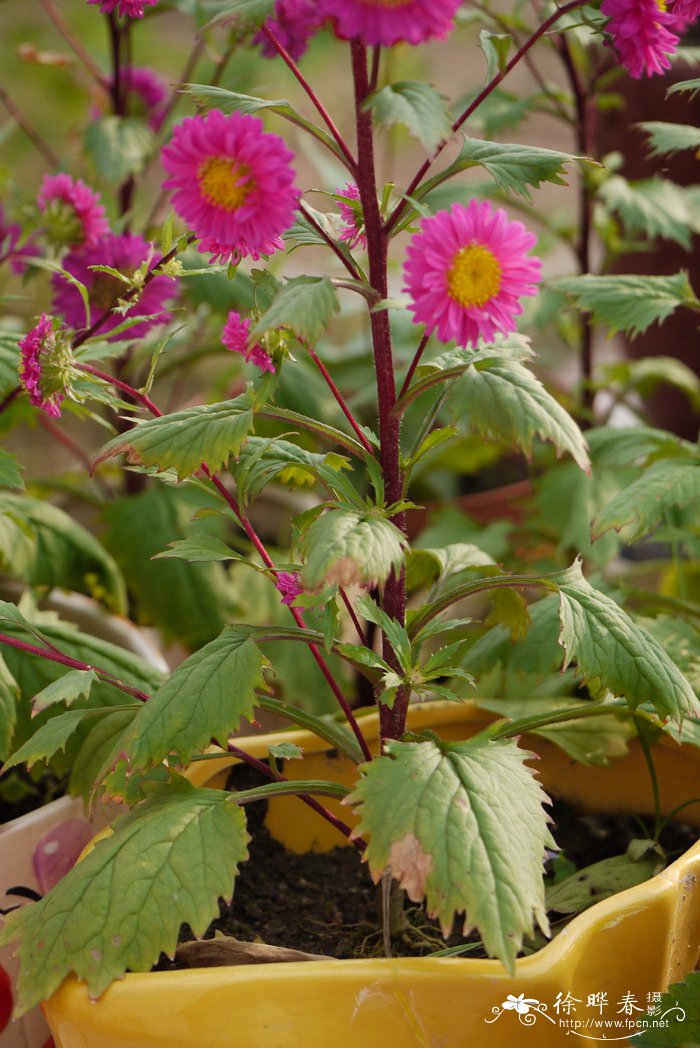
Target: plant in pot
(440, 801)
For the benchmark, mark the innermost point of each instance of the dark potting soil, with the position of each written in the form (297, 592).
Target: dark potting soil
(22, 791)
(327, 904)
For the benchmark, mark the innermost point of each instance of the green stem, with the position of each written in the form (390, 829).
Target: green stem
(646, 750)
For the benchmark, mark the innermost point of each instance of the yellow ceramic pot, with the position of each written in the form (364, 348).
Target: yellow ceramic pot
(592, 982)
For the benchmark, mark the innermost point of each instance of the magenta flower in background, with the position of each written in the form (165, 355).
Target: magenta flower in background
(88, 217)
(641, 32)
(293, 23)
(287, 584)
(148, 94)
(10, 232)
(353, 231)
(235, 338)
(39, 343)
(131, 8)
(125, 253)
(688, 10)
(232, 183)
(388, 22)
(466, 270)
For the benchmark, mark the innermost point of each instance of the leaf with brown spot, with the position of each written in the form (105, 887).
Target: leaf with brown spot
(461, 825)
(349, 546)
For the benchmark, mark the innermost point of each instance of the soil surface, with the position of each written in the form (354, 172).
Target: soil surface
(327, 904)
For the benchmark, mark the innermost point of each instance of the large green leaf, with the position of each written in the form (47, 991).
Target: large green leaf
(182, 441)
(263, 460)
(232, 102)
(680, 1008)
(629, 303)
(507, 400)
(429, 812)
(653, 206)
(53, 736)
(615, 654)
(514, 168)
(166, 864)
(417, 106)
(46, 547)
(642, 505)
(666, 139)
(99, 748)
(191, 602)
(305, 305)
(590, 740)
(206, 697)
(347, 546)
(9, 694)
(118, 146)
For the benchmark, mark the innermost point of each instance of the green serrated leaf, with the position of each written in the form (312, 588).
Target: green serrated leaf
(203, 549)
(305, 305)
(67, 689)
(118, 146)
(287, 751)
(264, 460)
(629, 303)
(9, 694)
(182, 844)
(509, 401)
(666, 139)
(99, 749)
(641, 506)
(48, 740)
(590, 740)
(416, 105)
(183, 440)
(600, 881)
(680, 1008)
(10, 471)
(427, 809)
(346, 546)
(655, 207)
(424, 566)
(514, 168)
(615, 654)
(206, 697)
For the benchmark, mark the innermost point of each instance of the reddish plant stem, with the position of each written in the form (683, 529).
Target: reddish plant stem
(318, 104)
(30, 131)
(354, 273)
(392, 720)
(75, 664)
(414, 364)
(10, 399)
(232, 503)
(340, 400)
(270, 773)
(583, 242)
(475, 103)
(351, 612)
(73, 42)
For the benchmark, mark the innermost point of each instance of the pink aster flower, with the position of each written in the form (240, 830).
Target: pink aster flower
(688, 10)
(125, 253)
(235, 337)
(37, 344)
(641, 34)
(389, 21)
(147, 94)
(82, 219)
(353, 231)
(466, 270)
(287, 584)
(233, 184)
(131, 8)
(293, 23)
(10, 233)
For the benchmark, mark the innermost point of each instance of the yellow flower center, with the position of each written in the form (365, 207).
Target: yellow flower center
(223, 182)
(474, 276)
